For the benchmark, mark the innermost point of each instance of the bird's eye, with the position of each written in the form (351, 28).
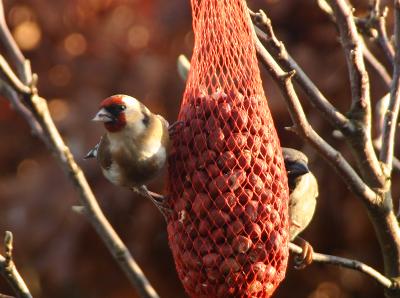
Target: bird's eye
(146, 119)
(116, 109)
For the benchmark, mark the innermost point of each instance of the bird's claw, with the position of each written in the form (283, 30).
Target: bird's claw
(158, 200)
(306, 257)
(174, 127)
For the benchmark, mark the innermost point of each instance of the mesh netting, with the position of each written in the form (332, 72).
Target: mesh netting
(228, 185)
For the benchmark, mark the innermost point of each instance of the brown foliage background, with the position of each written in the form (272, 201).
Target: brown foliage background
(84, 51)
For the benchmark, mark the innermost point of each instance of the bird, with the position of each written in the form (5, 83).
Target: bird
(134, 148)
(303, 193)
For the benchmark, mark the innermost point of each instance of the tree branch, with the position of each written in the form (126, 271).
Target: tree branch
(360, 111)
(337, 161)
(381, 108)
(12, 48)
(378, 20)
(349, 264)
(392, 113)
(376, 65)
(280, 54)
(9, 271)
(24, 86)
(20, 108)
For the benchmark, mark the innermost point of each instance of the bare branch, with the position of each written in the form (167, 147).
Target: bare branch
(376, 65)
(10, 272)
(392, 113)
(378, 19)
(381, 108)
(6, 296)
(12, 79)
(350, 264)
(19, 107)
(365, 26)
(24, 85)
(337, 161)
(361, 136)
(360, 111)
(280, 54)
(12, 48)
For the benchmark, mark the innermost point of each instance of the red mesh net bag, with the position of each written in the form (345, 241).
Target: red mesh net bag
(228, 187)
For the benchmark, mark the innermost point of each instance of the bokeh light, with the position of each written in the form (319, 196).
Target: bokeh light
(75, 44)
(27, 35)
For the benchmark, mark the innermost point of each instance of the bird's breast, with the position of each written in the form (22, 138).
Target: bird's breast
(137, 167)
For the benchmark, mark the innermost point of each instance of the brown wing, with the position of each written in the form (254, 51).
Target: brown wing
(104, 154)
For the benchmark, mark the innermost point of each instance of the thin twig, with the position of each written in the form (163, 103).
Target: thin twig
(6, 296)
(19, 107)
(373, 26)
(346, 172)
(11, 47)
(378, 18)
(381, 108)
(367, 158)
(390, 122)
(12, 78)
(377, 65)
(23, 70)
(350, 264)
(360, 111)
(9, 271)
(280, 54)
(366, 25)
(42, 115)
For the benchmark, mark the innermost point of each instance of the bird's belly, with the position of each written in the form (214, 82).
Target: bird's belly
(300, 215)
(113, 174)
(139, 171)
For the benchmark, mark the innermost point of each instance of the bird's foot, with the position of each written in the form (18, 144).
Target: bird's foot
(174, 127)
(306, 257)
(158, 200)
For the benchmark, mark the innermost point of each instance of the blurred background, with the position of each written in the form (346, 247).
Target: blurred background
(84, 51)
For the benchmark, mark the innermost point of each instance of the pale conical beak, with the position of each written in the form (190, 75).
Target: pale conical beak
(103, 116)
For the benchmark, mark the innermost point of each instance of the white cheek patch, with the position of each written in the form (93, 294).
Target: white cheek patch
(135, 128)
(131, 102)
(134, 116)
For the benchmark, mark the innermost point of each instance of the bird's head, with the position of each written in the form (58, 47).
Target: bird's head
(296, 164)
(119, 111)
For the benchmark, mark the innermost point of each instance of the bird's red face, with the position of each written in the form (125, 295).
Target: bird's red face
(112, 113)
